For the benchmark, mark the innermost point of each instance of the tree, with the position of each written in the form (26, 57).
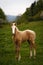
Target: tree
(33, 8)
(2, 14)
(40, 4)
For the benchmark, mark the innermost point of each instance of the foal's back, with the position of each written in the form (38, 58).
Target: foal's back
(28, 35)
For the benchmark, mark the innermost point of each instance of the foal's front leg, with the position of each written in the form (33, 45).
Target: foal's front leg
(18, 57)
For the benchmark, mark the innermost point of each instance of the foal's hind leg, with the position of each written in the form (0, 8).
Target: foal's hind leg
(30, 50)
(30, 43)
(34, 46)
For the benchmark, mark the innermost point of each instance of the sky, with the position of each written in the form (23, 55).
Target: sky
(15, 7)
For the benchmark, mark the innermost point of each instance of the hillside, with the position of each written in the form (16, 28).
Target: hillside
(27, 18)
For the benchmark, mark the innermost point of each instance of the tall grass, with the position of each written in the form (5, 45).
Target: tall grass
(7, 47)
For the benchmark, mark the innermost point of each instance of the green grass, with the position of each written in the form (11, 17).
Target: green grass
(7, 47)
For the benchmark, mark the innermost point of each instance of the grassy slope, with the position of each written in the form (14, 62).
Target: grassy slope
(7, 54)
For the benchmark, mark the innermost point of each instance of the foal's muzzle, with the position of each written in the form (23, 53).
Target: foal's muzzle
(13, 34)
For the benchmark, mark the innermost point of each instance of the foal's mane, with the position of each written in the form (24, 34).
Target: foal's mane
(17, 29)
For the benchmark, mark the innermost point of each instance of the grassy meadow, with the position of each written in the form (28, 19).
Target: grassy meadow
(7, 47)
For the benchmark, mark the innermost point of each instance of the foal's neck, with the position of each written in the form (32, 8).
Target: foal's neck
(17, 30)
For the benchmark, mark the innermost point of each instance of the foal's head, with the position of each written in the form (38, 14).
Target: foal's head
(13, 28)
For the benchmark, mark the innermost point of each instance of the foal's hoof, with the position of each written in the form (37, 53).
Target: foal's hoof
(19, 58)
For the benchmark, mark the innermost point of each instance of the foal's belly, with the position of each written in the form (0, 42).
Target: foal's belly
(24, 38)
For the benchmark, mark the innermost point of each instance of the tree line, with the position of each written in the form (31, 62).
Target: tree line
(36, 8)
(33, 12)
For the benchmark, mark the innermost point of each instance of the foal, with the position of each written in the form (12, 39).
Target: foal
(21, 36)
